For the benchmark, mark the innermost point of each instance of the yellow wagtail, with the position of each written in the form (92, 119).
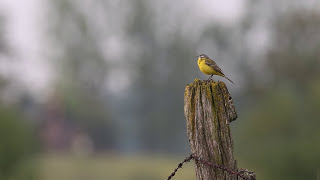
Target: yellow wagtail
(209, 67)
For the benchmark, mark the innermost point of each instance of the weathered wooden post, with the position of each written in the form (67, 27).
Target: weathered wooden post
(208, 109)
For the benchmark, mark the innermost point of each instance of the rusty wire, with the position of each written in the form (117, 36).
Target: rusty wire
(243, 173)
(187, 159)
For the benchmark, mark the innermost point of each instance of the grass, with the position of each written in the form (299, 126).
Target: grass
(112, 167)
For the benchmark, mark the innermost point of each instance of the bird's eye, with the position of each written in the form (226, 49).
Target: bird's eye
(201, 56)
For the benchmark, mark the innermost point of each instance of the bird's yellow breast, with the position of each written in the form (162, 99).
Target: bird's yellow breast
(205, 68)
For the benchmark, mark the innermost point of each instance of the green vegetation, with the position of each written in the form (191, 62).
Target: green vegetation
(16, 147)
(278, 135)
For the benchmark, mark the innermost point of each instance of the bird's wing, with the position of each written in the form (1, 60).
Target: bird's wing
(212, 64)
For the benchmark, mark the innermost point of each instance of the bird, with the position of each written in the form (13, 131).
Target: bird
(209, 67)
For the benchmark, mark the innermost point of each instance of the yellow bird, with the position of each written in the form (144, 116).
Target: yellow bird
(209, 67)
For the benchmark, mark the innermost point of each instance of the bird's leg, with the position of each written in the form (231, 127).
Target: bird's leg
(210, 78)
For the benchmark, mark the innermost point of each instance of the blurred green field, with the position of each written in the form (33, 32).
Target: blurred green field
(111, 167)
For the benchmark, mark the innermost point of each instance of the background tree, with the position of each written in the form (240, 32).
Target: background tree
(282, 118)
(17, 139)
(82, 70)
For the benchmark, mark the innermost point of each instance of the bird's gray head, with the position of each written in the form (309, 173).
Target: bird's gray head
(203, 56)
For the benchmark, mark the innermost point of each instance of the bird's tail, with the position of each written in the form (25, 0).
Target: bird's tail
(228, 79)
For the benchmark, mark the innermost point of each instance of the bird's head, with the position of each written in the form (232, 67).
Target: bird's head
(203, 56)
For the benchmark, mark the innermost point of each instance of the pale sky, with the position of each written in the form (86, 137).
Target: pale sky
(25, 35)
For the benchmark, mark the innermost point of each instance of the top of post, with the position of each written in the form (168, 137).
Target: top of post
(216, 90)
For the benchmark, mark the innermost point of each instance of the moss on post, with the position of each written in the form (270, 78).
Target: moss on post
(208, 109)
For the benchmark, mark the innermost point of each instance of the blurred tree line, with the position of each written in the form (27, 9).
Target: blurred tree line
(140, 113)
(281, 122)
(17, 136)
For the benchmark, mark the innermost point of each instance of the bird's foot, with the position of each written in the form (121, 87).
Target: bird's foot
(210, 78)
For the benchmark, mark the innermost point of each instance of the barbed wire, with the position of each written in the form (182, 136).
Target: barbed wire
(187, 159)
(243, 173)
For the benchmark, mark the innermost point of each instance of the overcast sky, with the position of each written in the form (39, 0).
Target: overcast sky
(24, 34)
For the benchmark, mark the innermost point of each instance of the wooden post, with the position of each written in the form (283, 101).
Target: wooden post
(208, 109)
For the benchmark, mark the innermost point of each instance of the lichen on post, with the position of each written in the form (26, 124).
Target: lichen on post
(208, 109)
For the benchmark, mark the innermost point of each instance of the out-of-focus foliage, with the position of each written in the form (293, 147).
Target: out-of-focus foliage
(82, 70)
(295, 57)
(17, 145)
(280, 137)
(4, 49)
(141, 113)
(17, 136)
